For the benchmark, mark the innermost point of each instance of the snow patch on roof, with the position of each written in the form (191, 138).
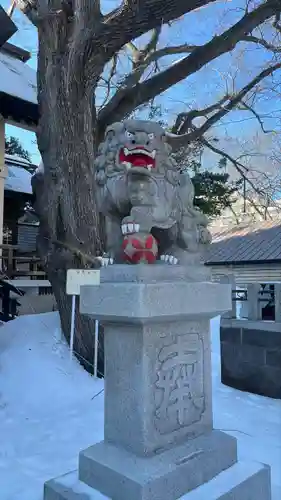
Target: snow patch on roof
(18, 180)
(39, 169)
(16, 159)
(17, 79)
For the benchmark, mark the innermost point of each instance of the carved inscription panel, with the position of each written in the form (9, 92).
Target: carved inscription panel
(179, 387)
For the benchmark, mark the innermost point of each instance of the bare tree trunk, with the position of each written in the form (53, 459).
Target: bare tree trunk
(65, 193)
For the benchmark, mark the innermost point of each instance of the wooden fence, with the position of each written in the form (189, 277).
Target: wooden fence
(16, 265)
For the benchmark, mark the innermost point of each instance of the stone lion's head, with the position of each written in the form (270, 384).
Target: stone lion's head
(135, 146)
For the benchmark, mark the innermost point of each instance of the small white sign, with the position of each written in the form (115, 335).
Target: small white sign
(79, 277)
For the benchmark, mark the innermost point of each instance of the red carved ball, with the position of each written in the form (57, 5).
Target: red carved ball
(140, 248)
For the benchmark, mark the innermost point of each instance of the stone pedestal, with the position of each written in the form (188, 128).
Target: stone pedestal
(159, 442)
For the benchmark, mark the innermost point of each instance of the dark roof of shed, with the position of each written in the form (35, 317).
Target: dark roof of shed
(7, 26)
(259, 242)
(18, 86)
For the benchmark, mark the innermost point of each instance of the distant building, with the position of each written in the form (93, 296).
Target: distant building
(18, 106)
(20, 227)
(251, 251)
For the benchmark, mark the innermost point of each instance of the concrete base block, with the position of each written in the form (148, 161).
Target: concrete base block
(242, 481)
(121, 475)
(68, 487)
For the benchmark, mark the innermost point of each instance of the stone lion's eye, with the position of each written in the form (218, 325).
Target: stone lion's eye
(129, 134)
(151, 136)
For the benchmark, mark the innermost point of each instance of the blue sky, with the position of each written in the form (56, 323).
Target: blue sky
(200, 89)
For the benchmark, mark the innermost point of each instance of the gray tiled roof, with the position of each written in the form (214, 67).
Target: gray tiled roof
(18, 79)
(257, 242)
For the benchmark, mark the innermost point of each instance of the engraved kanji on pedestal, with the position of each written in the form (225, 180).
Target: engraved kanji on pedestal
(179, 389)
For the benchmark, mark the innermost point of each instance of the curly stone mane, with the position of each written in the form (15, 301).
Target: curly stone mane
(107, 165)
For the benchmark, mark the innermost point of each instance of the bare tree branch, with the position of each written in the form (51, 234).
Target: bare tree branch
(241, 169)
(141, 64)
(134, 50)
(126, 23)
(109, 80)
(184, 120)
(199, 57)
(180, 140)
(262, 42)
(131, 22)
(276, 23)
(29, 8)
(170, 50)
(247, 107)
(40, 11)
(11, 9)
(152, 44)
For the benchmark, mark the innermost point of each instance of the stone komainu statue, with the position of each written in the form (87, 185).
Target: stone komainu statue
(146, 200)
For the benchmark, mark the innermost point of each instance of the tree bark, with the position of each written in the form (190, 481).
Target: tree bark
(65, 192)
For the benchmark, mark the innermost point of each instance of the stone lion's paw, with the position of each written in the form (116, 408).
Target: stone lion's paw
(105, 261)
(130, 228)
(170, 259)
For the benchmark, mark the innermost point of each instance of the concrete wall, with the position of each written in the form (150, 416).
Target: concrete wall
(251, 356)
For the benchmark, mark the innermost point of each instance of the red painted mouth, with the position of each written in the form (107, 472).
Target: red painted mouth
(137, 157)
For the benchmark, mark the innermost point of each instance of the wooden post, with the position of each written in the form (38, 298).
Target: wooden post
(254, 310)
(3, 174)
(10, 267)
(229, 279)
(277, 300)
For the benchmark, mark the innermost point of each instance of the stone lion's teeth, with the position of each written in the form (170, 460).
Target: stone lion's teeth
(136, 151)
(149, 167)
(139, 152)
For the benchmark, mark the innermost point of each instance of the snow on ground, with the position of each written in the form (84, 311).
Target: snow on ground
(50, 410)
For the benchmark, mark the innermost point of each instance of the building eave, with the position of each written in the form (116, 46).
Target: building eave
(18, 111)
(242, 262)
(7, 27)
(15, 51)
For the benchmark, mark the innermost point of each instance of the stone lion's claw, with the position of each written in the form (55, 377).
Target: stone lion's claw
(170, 259)
(130, 228)
(105, 261)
